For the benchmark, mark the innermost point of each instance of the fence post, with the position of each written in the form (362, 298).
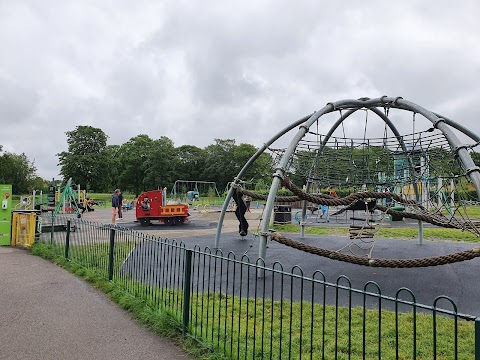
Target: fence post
(110, 254)
(187, 274)
(51, 230)
(477, 338)
(67, 239)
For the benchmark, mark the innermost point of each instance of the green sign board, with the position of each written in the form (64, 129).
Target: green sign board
(51, 194)
(5, 214)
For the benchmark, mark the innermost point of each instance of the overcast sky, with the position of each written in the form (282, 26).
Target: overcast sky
(198, 70)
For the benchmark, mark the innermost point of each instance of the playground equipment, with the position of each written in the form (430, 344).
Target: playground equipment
(68, 202)
(5, 213)
(191, 191)
(389, 164)
(151, 205)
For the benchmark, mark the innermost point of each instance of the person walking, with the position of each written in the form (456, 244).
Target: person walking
(120, 204)
(115, 205)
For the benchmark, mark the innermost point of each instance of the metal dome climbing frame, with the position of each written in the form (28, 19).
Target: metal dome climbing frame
(307, 140)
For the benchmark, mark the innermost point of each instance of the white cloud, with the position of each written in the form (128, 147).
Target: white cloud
(195, 71)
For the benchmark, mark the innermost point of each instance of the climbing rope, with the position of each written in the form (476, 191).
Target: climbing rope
(324, 199)
(384, 263)
(420, 213)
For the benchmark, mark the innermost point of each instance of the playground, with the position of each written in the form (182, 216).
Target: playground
(408, 180)
(452, 280)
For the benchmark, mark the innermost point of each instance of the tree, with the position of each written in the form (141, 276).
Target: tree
(161, 164)
(190, 160)
(219, 162)
(85, 159)
(132, 157)
(17, 170)
(112, 168)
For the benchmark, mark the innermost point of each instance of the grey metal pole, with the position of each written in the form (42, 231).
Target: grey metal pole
(420, 232)
(245, 169)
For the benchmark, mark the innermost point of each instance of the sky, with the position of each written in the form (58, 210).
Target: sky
(196, 71)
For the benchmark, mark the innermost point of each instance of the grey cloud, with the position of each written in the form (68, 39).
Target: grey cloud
(195, 71)
(17, 102)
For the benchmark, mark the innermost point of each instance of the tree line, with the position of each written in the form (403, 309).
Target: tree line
(143, 163)
(18, 170)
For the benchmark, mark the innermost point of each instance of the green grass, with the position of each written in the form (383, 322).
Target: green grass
(160, 322)
(287, 334)
(436, 233)
(473, 211)
(219, 320)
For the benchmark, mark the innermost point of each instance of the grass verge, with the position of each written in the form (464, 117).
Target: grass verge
(159, 322)
(434, 234)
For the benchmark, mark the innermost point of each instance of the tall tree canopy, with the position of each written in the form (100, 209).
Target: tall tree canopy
(132, 158)
(143, 163)
(190, 162)
(85, 161)
(17, 170)
(219, 165)
(161, 164)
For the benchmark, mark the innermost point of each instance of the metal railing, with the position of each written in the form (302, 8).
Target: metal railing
(219, 300)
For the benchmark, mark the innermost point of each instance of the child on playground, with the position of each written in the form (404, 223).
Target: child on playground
(324, 209)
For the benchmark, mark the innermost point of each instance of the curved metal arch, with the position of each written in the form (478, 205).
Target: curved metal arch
(440, 123)
(437, 120)
(465, 159)
(375, 111)
(245, 168)
(460, 128)
(334, 127)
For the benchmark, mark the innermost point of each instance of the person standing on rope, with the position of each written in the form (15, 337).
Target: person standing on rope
(332, 192)
(115, 203)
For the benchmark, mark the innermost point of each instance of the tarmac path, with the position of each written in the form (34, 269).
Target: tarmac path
(48, 313)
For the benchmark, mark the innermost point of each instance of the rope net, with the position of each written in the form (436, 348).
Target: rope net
(413, 176)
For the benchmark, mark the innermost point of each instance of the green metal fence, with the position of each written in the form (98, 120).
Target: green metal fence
(220, 300)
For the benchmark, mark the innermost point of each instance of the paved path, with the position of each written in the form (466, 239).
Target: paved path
(48, 313)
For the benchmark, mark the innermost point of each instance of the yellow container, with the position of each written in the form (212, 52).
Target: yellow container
(23, 228)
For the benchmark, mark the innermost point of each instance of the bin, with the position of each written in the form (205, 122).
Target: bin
(25, 227)
(282, 214)
(397, 217)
